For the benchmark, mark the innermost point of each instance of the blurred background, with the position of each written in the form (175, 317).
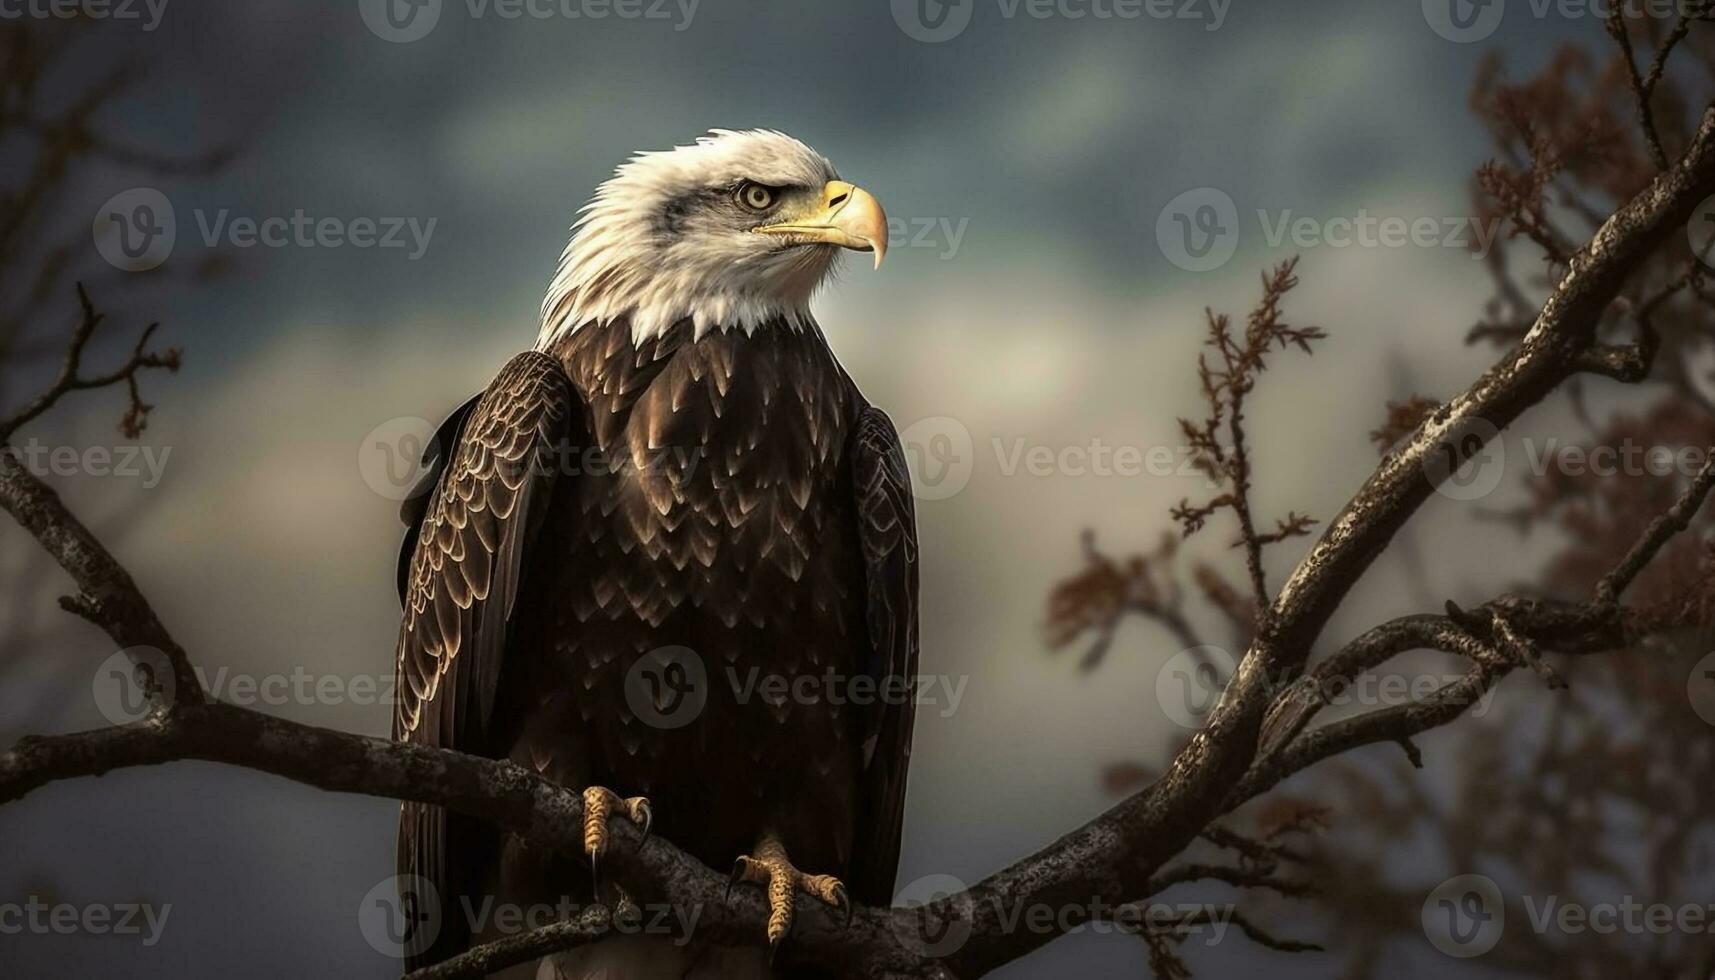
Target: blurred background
(1049, 169)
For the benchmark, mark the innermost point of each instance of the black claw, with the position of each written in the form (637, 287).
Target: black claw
(843, 902)
(648, 821)
(595, 878)
(737, 873)
(773, 948)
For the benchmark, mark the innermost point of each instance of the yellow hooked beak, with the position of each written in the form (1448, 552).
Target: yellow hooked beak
(848, 217)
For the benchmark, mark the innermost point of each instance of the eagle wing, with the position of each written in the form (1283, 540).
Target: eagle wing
(887, 531)
(466, 564)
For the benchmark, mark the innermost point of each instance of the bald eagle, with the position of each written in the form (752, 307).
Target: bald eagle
(678, 488)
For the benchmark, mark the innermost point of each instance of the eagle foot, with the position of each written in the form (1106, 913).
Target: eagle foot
(770, 868)
(600, 805)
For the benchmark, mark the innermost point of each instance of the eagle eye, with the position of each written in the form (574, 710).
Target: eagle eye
(756, 197)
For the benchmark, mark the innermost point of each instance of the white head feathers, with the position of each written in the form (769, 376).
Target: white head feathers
(664, 240)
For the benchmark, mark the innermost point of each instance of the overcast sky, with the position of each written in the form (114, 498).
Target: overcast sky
(1045, 290)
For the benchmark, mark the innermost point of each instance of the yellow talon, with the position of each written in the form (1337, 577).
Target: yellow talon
(599, 806)
(770, 868)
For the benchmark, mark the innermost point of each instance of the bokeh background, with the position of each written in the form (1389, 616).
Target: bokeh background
(1039, 309)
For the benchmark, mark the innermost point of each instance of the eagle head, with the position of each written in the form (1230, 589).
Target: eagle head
(731, 232)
